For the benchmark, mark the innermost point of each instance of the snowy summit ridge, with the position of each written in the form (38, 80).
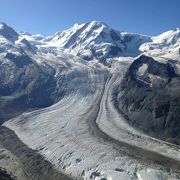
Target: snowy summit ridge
(97, 40)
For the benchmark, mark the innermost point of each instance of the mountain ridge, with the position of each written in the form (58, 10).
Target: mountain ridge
(97, 40)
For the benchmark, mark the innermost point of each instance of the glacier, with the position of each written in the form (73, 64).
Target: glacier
(83, 134)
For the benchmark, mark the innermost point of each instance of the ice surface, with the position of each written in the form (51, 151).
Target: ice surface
(67, 134)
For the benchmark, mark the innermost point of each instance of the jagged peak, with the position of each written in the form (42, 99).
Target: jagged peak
(8, 32)
(3, 25)
(169, 33)
(90, 24)
(98, 23)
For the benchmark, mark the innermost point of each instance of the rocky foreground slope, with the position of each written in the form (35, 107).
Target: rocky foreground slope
(94, 101)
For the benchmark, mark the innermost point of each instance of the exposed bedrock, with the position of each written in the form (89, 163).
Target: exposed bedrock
(149, 95)
(24, 85)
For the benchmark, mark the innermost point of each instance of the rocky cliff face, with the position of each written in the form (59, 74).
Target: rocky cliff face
(150, 96)
(24, 85)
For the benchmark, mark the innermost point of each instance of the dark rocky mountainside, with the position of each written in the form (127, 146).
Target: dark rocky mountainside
(150, 96)
(24, 85)
(8, 32)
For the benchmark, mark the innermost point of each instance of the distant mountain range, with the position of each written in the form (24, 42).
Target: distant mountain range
(94, 40)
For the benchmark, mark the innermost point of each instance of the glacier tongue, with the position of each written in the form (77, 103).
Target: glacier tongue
(67, 135)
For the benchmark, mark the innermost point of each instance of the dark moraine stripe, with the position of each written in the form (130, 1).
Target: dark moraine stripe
(35, 167)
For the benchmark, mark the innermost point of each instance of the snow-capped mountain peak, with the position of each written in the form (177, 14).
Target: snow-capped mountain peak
(8, 33)
(93, 39)
(165, 44)
(77, 27)
(97, 40)
(33, 39)
(11, 41)
(168, 38)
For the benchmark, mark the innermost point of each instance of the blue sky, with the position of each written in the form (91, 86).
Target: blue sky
(149, 17)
